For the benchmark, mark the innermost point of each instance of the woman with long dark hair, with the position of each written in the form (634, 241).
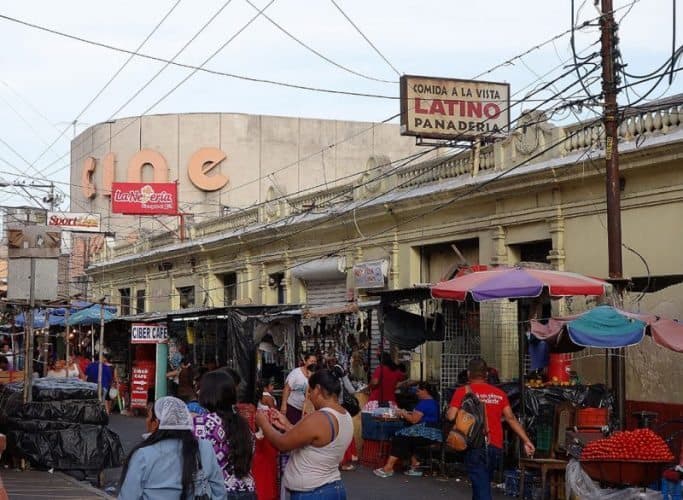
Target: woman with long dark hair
(317, 443)
(228, 432)
(171, 462)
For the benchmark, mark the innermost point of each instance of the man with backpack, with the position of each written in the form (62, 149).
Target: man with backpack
(485, 440)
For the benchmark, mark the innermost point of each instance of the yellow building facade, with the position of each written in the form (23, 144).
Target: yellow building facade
(538, 195)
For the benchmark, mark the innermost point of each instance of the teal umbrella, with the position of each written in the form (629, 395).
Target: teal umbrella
(606, 327)
(91, 316)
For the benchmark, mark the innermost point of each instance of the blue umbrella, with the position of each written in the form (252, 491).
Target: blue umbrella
(606, 327)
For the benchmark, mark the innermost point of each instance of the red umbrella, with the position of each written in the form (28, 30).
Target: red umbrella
(517, 283)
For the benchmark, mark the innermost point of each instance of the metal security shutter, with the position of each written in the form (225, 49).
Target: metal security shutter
(325, 293)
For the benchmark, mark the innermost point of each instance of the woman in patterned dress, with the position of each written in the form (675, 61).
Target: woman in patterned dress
(228, 432)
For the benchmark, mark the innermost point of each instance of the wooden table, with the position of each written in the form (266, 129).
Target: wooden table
(545, 466)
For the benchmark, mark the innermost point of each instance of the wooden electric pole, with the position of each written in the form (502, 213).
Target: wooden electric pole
(611, 123)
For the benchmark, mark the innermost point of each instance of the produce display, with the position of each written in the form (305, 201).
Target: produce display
(641, 445)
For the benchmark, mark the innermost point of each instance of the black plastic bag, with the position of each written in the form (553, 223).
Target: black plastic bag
(64, 446)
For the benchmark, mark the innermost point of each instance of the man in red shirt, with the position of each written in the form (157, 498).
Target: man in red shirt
(482, 462)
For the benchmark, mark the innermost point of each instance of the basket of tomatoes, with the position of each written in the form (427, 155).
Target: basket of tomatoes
(633, 458)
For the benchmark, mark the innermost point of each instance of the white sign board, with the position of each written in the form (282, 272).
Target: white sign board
(443, 108)
(148, 333)
(370, 274)
(19, 279)
(73, 221)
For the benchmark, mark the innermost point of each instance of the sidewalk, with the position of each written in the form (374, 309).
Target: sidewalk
(34, 485)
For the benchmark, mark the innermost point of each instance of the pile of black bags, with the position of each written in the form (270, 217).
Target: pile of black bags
(64, 427)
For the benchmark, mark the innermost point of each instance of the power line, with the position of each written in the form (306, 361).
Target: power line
(436, 209)
(192, 67)
(206, 61)
(295, 216)
(113, 77)
(366, 38)
(318, 53)
(163, 68)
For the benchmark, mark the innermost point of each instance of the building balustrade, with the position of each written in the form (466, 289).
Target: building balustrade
(635, 124)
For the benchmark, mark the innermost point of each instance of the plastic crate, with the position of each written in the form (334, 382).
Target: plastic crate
(532, 484)
(671, 490)
(374, 453)
(592, 417)
(379, 430)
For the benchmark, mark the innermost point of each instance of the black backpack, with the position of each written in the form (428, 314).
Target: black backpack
(470, 429)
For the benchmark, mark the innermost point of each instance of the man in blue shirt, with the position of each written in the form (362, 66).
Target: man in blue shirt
(91, 374)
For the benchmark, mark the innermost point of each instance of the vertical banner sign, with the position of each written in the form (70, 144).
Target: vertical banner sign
(144, 198)
(443, 108)
(141, 378)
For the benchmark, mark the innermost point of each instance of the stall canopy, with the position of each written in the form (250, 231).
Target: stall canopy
(517, 283)
(609, 327)
(92, 315)
(44, 318)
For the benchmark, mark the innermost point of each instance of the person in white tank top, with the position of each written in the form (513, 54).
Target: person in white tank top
(316, 444)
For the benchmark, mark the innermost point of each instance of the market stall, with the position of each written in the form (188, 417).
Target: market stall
(565, 417)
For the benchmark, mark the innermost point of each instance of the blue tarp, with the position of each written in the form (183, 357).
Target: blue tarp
(606, 327)
(42, 318)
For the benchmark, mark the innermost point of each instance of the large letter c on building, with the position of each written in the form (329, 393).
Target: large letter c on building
(201, 163)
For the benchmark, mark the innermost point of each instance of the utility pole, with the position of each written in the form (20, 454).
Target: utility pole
(28, 337)
(611, 123)
(101, 357)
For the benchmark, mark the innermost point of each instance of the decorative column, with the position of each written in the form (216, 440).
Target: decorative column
(393, 273)
(263, 284)
(287, 279)
(500, 253)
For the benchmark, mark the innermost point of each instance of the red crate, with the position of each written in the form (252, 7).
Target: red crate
(375, 453)
(592, 417)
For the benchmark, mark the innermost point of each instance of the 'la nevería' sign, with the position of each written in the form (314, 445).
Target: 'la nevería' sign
(443, 108)
(148, 333)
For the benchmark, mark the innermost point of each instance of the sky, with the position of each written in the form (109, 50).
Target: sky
(47, 80)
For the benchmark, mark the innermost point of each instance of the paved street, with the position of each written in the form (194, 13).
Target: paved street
(361, 484)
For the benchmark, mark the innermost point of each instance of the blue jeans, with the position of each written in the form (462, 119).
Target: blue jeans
(329, 491)
(481, 463)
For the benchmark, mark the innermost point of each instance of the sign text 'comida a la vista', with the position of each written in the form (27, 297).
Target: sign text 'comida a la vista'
(453, 109)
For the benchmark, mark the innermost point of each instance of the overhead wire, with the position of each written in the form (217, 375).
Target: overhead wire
(298, 161)
(338, 215)
(194, 67)
(513, 58)
(379, 53)
(206, 61)
(111, 79)
(175, 56)
(444, 205)
(318, 53)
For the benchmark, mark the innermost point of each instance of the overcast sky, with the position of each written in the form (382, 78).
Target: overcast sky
(47, 80)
